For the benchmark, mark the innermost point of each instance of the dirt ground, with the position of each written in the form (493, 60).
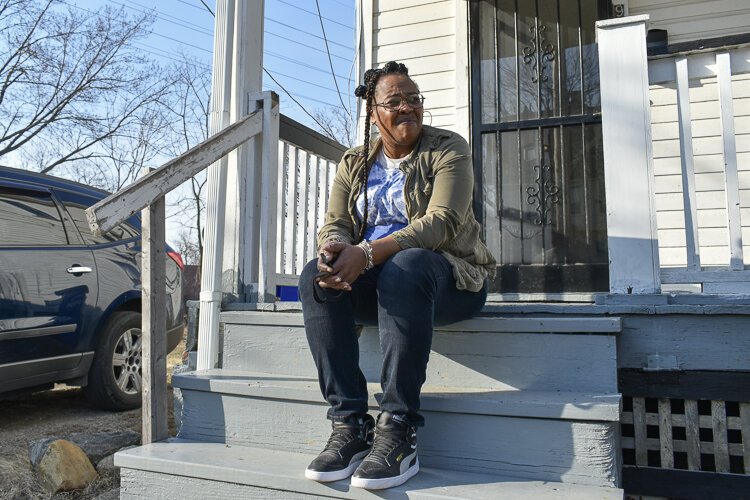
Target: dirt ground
(62, 410)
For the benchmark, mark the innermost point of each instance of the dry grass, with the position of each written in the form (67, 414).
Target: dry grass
(63, 410)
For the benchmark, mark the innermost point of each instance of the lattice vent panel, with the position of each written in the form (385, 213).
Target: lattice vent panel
(686, 434)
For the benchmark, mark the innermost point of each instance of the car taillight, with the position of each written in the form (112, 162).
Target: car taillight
(178, 259)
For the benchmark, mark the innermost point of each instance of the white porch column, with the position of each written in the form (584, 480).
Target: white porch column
(628, 156)
(211, 290)
(242, 223)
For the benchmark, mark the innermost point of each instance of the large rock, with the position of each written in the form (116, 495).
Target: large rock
(95, 446)
(65, 467)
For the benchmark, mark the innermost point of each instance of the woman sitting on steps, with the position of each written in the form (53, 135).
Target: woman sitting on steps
(400, 249)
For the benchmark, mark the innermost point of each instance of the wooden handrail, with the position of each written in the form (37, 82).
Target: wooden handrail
(131, 199)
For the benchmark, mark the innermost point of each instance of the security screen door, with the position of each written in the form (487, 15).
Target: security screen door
(538, 144)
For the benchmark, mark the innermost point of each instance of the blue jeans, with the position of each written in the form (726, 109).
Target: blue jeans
(404, 296)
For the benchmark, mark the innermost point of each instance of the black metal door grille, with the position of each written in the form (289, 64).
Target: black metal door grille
(537, 142)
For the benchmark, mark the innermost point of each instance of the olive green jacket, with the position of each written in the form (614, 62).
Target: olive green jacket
(438, 193)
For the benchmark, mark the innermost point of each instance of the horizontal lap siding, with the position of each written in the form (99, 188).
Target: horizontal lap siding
(422, 35)
(687, 20)
(713, 234)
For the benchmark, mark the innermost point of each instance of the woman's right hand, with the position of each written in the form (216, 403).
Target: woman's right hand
(350, 260)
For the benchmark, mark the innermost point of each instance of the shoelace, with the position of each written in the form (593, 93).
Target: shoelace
(340, 436)
(384, 443)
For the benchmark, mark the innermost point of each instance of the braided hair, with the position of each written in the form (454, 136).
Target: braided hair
(367, 92)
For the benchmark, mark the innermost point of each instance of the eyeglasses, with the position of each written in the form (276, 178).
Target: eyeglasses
(415, 101)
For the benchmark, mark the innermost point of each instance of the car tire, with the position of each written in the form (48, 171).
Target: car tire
(115, 377)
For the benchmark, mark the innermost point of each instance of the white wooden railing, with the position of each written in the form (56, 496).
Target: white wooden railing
(673, 180)
(147, 194)
(305, 180)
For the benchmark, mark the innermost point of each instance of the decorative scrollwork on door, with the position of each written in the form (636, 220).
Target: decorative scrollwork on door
(540, 51)
(543, 196)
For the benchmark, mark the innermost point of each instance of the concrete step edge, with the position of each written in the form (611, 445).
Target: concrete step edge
(544, 325)
(526, 404)
(284, 471)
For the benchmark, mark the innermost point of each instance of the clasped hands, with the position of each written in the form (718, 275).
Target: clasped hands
(349, 262)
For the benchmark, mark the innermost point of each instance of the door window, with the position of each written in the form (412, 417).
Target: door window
(76, 206)
(29, 218)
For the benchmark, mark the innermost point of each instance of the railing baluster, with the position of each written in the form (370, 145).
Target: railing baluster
(688, 168)
(280, 207)
(154, 335)
(731, 178)
(312, 210)
(291, 207)
(301, 231)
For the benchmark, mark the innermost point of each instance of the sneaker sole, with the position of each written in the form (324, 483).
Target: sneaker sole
(386, 482)
(337, 475)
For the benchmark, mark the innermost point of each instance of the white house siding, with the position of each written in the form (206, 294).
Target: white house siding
(430, 37)
(687, 20)
(708, 160)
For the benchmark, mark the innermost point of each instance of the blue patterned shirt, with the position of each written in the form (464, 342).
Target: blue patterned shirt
(386, 207)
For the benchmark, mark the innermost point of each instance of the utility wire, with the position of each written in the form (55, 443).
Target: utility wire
(295, 100)
(295, 28)
(305, 45)
(165, 17)
(322, 127)
(313, 13)
(208, 8)
(330, 61)
(301, 63)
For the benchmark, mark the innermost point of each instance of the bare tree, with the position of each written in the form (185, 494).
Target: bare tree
(188, 107)
(337, 124)
(188, 248)
(72, 87)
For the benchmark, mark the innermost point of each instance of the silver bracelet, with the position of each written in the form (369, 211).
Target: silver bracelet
(367, 248)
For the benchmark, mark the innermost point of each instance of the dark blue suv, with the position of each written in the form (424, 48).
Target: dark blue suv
(70, 302)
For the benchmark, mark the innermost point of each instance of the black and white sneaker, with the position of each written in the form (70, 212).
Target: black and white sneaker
(393, 458)
(347, 446)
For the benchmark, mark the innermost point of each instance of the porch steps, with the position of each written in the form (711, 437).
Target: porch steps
(495, 353)
(197, 470)
(514, 408)
(553, 436)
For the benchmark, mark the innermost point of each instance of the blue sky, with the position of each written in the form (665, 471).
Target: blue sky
(294, 49)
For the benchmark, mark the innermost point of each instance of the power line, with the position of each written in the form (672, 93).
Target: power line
(295, 100)
(181, 42)
(166, 17)
(295, 28)
(301, 63)
(207, 7)
(190, 4)
(329, 89)
(314, 14)
(286, 91)
(306, 46)
(349, 6)
(198, 29)
(330, 61)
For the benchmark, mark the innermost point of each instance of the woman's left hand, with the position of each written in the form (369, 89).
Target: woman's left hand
(347, 268)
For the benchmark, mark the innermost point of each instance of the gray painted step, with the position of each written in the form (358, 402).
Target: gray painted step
(187, 470)
(552, 436)
(541, 354)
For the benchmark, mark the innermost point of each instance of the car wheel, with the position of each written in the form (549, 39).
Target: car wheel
(115, 378)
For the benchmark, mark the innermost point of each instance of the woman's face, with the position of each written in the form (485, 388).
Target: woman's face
(400, 129)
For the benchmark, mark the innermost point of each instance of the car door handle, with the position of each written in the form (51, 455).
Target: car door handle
(79, 270)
